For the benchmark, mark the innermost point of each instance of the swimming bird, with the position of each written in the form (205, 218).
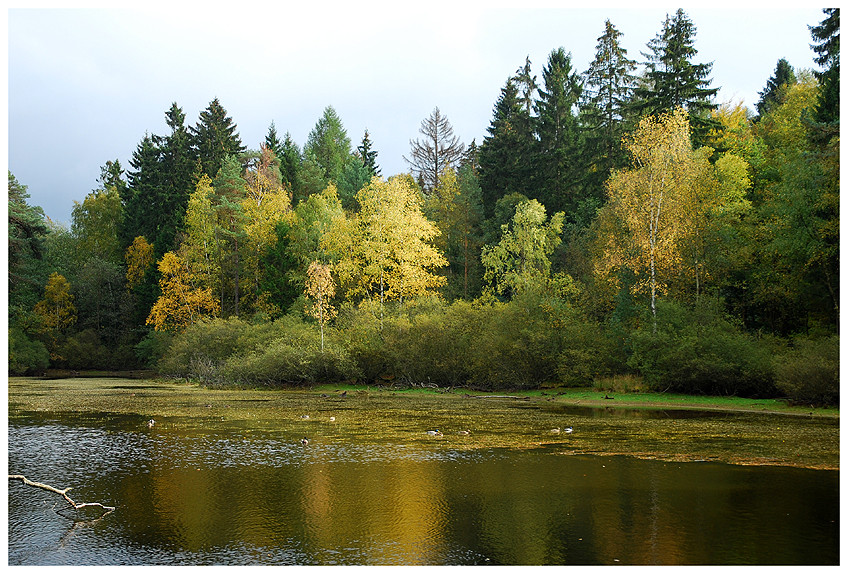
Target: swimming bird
(436, 432)
(304, 417)
(463, 432)
(569, 430)
(332, 419)
(555, 431)
(304, 441)
(150, 423)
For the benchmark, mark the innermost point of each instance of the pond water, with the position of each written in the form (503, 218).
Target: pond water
(253, 494)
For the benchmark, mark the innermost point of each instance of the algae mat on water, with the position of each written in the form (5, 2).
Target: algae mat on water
(463, 421)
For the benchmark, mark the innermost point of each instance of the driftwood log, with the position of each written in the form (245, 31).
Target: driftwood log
(64, 493)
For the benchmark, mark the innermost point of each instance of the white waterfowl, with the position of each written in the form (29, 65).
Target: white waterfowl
(150, 423)
(569, 430)
(304, 441)
(436, 432)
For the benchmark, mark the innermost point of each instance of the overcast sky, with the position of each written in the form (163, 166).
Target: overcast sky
(86, 85)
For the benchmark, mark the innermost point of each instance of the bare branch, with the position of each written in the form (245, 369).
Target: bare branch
(64, 493)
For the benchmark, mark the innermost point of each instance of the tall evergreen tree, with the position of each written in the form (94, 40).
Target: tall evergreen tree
(177, 167)
(329, 144)
(215, 137)
(368, 155)
(773, 94)
(272, 142)
(290, 162)
(608, 90)
(826, 36)
(141, 205)
(526, 83)
(505, 156)
(439, 149)
(559, 151)
(112, 176)
(673, 81)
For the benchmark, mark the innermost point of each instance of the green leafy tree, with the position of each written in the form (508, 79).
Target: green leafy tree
(265, 204)
(796, 276)
(214, 138)
(558, 159)
(27, 231)
(520, 262)
(280, 266)
(230, 234)
(672, 79)
(457, 211)
(94, 224)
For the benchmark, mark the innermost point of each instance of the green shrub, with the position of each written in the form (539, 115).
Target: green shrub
(26, 355)
(292, 356)
(84, 351)
(699, 351)
(150, 350)
(201, 350)
(808, 373)
(532, 340)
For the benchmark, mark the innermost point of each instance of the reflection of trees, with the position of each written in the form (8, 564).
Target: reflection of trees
(401, 502)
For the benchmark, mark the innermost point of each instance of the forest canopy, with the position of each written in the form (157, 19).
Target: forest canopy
(613, 221)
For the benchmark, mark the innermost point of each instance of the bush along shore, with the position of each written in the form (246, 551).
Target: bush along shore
(529, 343)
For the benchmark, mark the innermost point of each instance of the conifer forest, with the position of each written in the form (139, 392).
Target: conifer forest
(613, 222)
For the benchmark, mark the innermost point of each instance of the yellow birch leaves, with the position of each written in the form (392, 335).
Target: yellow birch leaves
(661, 212)
(181, 304)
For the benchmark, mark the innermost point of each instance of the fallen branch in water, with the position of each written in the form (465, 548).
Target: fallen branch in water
(64, 493)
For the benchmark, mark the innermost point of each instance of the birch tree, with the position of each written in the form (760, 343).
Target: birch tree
(651, 200)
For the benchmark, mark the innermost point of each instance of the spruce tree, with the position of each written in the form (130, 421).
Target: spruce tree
(273, 142)
(142, 201)
(112, 176)
(369, 156)
(177, 164)
(329, 144)
(214, 138)
(826, 36)
(558, 157)
(290, 162)
(505, 156)
(773, 94)
(608, 90)
(673, 81)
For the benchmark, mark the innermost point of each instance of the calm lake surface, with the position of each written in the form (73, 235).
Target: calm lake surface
(241, 493)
